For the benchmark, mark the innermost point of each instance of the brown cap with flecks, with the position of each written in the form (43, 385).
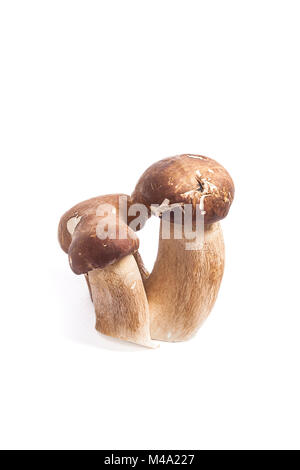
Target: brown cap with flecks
(187, 179)
(78, 233)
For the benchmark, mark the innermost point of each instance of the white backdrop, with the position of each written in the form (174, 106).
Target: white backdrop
(93, 92)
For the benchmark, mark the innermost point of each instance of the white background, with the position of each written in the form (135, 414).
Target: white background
(92, 93)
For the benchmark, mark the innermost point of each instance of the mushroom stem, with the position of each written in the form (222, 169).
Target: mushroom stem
(120, 302)
(142, 268)
(89, 286)
(184, 284)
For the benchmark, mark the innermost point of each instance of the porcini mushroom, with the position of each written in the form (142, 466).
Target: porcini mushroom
(107, 259)
(184, 283)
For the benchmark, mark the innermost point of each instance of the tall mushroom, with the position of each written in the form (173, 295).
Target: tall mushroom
(109, 264)
(184, 283)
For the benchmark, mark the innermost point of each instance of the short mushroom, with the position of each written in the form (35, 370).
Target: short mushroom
(184, 283)
(109, 263)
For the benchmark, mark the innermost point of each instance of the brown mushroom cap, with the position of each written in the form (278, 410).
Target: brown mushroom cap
(185, 179)
(77, 233)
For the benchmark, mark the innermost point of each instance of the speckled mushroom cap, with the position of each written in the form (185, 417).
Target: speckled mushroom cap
(187, 179)
(77, 234)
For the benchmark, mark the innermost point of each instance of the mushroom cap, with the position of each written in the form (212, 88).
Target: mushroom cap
(77, 233)
(187, 179)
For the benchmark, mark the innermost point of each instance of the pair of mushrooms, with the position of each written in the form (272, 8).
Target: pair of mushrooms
(172, 302)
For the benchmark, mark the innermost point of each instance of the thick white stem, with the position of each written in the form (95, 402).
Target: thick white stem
(184, 284)
(120, 302)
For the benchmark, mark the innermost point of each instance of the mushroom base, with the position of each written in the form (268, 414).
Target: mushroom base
(184, 284)
(120, 302)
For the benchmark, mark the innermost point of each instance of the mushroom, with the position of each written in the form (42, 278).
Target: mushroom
(185, 280)
(107, 259)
